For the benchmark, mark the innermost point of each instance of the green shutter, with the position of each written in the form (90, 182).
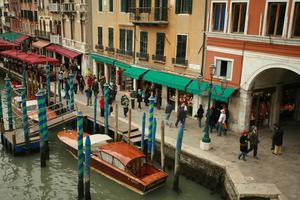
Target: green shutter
(100, 36)
(122, 39)
(100, 9)
(177, 6)
(190, 6)
(129, 40)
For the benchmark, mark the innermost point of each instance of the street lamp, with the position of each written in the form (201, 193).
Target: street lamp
(205, 142)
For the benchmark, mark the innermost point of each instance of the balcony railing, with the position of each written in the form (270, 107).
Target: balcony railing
(68, 7)
(159, 58)
(142, 56)
(82, 8)
(55, 39)
(110, 49)
(121, 51)
(180, 61)
(76, 45)
(42, 34)
(99, 47)
(149, 15)
(54, 7)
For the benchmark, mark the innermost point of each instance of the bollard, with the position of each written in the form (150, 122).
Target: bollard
(143, 132)
(177, 158)
(87, 168)
(106, 107)
(117, 122)
(80, 155)
(47, 66)
(25, 117)
(71, 78)
(95, 113)
(162, 146)
(8, 102)
(150, 125)
(153, 140)
(129, 126)
(42, 119)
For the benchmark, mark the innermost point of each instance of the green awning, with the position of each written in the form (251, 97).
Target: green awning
(170, 80)
(102, 59)
(122, 65)
(134, 72)
(10, 36)
(217, 93)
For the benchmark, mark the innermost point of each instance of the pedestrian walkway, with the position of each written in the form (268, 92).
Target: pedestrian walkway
(284, 170)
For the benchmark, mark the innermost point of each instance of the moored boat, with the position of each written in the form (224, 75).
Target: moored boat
(123, 163)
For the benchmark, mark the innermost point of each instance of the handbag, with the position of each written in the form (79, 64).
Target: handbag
(225, 126)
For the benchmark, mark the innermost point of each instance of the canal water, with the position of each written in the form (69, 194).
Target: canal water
(22, 178)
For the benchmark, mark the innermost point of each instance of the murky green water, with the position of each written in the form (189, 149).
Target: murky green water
(22, 178)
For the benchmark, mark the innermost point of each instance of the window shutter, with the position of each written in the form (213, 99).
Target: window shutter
(99, 36)
(100, 5)
(177, 6)
(190, 6)
(229, 68)
(129, 40)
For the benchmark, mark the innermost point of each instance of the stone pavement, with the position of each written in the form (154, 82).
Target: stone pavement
(284, 170)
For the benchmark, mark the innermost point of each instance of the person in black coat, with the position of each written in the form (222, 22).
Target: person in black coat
(199, 115)
(277, 139)
(181, 115)
(243, 145)
(139, 97)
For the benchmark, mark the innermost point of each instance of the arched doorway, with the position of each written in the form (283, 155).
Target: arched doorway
(275, 97)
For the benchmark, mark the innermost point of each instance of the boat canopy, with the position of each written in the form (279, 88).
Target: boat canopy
(97, 138)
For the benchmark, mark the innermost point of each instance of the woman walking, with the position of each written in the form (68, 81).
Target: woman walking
(243, 145)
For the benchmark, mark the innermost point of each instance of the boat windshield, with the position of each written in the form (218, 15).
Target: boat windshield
(31, 107)
(136, 165)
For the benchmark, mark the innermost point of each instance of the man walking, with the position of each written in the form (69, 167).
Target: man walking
(278, 138)
(253, 139)
(181, 116)
(125, 104)
(243, 145)
(199, 115)
(221, 123)
(95, 86)
(168, 112)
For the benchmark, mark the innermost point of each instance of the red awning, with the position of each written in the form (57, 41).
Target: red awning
(31, 58)
(62, 51)
(21, 39)
(4, 45)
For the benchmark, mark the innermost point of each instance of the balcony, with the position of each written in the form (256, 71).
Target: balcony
(149, 16)
(82, 8)
(55, 39)
(110, 49)
(42, 34)
(75, 45)
(142, 56)
(99, 47)
(54, 7)
(68, 7)
(180, 62)
(159, 59)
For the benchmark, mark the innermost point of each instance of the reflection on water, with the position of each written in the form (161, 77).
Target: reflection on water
(22, 178)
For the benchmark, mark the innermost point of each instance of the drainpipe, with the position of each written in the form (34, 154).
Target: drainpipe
(204, 39)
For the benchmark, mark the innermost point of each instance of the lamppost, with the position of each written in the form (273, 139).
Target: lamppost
(205, 142)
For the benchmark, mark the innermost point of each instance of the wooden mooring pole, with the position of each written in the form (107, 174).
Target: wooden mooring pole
(117, 122)
(162, 145)
(177, 158)
(129, 126)
(87, 183)
(80, 155)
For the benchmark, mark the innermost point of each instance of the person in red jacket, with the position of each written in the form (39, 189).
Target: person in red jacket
(89, 81)
(101, 102)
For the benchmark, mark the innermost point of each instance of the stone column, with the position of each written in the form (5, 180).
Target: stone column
(135, 84)
(244, 111)
(176, 100)
(106, 73)
(275, 106)
(297, 108)
(95, 70)
(164, 96)
(117, 78)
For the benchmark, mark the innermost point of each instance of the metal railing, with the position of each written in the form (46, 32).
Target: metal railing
(142, 56)
(55, 39)
(159, 58)
(68, 7)
(180, 61)
(42, 34)
(149, 15)
(54, 7)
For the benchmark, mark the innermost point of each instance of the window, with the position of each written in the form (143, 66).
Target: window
(238, 17)
(275, 20)
(129, 41)
(218, 19)
(111, 5)
(145, 5)
(184, 6)
(125, 42)
(181, 47)
(100, 37)
(223, 68)
(122, 39)
(110, 37)
(160, 44)
(125, 5)
(296, 24)
(143, 42)
(100, 5)
(118, 164)
(106, 157)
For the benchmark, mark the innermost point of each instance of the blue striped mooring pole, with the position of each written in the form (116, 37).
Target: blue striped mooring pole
(24, 76)
(1, 109)
(95, 113)
(80, 154)
(150, 123)
(46, 138)
(143, 132)
(71, 78)
(153, 139)
(8, 102)
(106, 91)
(87, 184)
(47, 66)
(25, 117)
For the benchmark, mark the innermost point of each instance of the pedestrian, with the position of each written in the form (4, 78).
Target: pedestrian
(61, 79)
(158, 99)
(181, 115)
(101, 105)
(278, 139)
(81, 83)
(253, 139)
(89, 81)
(221, 123)
(168, 112)
(199, 115)
(212, 118)
(75, 82)
(139, 97)
(146, 96)
(88, 93)
(125, 104)
(95, 86)
(132, 98)
(243, 145)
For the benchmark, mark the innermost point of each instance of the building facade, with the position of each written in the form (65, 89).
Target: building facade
(154, 38)
(255, 44)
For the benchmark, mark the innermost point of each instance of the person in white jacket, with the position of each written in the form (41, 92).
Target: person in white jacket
(221, 123)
